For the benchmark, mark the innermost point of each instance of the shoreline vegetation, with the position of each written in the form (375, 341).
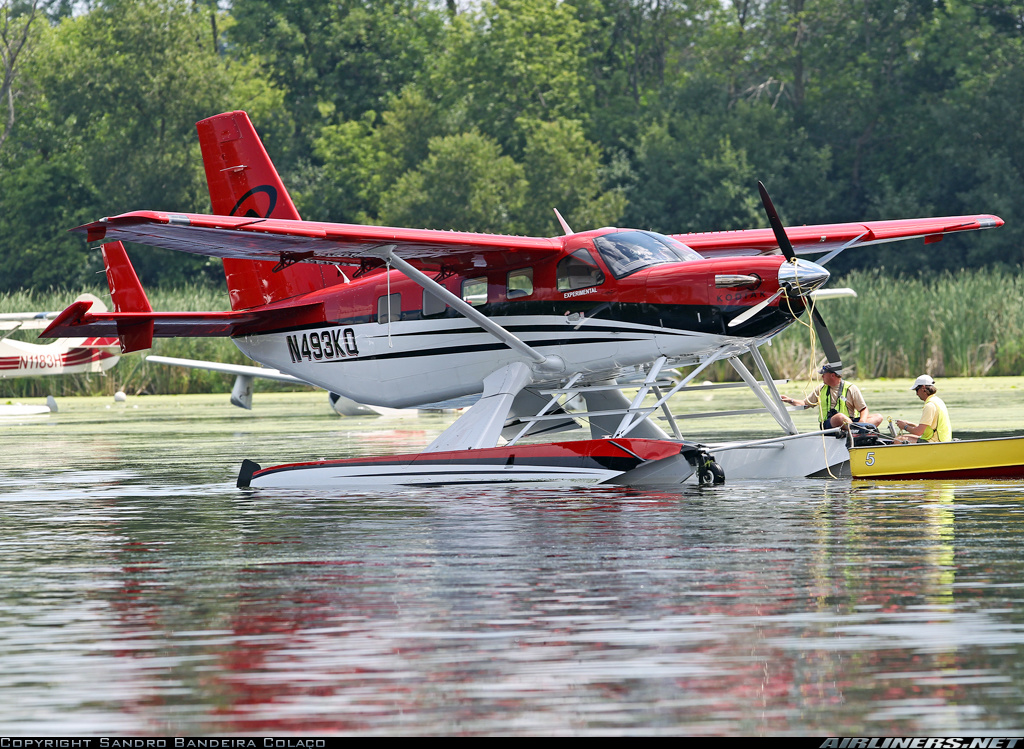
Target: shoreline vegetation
(964, 324)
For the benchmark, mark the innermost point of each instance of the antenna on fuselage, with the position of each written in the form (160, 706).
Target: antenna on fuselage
(565, 226)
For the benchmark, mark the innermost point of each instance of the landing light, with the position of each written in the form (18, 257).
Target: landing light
(733, 280)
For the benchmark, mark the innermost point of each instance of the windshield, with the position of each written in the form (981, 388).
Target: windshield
(627, 252)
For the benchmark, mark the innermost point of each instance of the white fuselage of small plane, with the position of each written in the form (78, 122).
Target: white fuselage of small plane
(64, 356)
(405, 363)
(23, 359)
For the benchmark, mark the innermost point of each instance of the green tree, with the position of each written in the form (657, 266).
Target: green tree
(923, 119)
(465, 184)
(564, 171)
(513, 61)
(109, 125)
(16, 20)
(36, 248)
(641, 52)
(700, 173)
(335, 60)
(359, 160)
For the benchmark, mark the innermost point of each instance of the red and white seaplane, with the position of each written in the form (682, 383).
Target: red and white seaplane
(400, 317)
(77, 355)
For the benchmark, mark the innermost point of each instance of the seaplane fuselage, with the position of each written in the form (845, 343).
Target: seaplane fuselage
(387, 341)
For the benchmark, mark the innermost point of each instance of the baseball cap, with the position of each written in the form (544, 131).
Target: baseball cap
(923, 380)
(830, 368)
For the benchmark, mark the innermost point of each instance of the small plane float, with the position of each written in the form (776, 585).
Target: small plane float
(76, 355)
(398, 317)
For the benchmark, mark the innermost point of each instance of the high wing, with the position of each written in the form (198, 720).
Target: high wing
(834, 238)
(26, 320)
(288, 241)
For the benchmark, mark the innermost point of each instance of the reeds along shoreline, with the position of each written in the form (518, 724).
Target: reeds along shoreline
(964, 324)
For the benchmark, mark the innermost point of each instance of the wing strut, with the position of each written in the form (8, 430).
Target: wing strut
(771, 399)
(642, 413)
(542, 362)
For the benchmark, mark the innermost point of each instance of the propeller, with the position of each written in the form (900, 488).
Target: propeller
(827, 344)
(744, 316)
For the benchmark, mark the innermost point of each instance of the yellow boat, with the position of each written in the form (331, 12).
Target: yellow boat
(996, 458)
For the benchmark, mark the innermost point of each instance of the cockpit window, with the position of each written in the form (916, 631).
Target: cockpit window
(626, 252)
(578, 271)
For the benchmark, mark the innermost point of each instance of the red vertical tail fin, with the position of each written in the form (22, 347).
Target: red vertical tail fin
(243, 182)
(127, 294)
(126, 290)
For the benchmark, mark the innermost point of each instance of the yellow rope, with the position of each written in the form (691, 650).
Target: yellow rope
(813, 365)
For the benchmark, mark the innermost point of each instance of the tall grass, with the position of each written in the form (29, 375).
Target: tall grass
(964, 324)
(969, 323)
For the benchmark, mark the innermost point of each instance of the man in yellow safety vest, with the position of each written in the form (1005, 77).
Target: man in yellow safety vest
(839, 402)
(935, 425)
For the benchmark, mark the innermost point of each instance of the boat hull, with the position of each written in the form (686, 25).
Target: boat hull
(619, 461)
(995, 458)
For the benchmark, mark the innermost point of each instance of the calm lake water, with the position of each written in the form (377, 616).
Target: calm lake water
(143, 594)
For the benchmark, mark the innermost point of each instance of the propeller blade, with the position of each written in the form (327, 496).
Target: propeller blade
(827, 344)
(744, 316)
(776, 223)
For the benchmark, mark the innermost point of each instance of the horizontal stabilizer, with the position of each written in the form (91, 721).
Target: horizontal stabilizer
(76, 320)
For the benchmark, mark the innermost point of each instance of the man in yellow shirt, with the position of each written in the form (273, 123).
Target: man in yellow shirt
(935, 425)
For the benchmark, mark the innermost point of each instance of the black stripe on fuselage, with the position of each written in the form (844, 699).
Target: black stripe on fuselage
(680, 319)
(449, 350)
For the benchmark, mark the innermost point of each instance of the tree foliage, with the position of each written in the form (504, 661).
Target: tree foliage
(464, 183)
(484, 116)
(16, 19)
(109, 126)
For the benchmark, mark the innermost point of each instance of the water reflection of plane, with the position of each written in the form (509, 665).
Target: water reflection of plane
(707, 614)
